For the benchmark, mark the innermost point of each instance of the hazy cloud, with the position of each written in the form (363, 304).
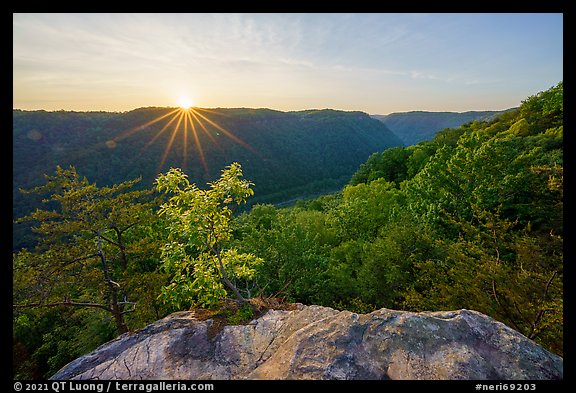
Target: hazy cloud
(312, 56)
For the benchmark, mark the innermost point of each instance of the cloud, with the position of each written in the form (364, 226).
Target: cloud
(303, 55)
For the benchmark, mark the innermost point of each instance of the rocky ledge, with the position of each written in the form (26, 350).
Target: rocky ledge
(313, 342)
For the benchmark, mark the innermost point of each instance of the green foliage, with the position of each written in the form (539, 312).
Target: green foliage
(420, 155)
(471, 219)
(83, 244)
(378, 270)
(491, 171)
(355, 305)
(545, 109)
(244, 314)
(390, 165)
(94, 242)
(418, 126)
(294, 244)
(365, 208)
(497, 199)
(44, 340)
(514, 276)
(198, 225)
(288, 154)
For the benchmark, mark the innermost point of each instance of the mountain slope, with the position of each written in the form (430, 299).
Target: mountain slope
(417, 126)
(286, 154)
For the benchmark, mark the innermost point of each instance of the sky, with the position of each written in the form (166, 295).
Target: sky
(370, 62)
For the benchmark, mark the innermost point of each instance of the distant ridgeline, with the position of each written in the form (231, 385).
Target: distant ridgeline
(417, 126)
(286, 154)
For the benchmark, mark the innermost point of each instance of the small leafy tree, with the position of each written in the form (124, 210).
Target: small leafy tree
(198, 223)
(82, 251)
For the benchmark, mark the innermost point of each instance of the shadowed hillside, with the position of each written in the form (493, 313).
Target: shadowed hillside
(286, 154)
(417, 126)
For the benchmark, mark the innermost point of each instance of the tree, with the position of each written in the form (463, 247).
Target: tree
(365, 208)
(515, 276)
(198, 223)
(390, 165)
(82, 251)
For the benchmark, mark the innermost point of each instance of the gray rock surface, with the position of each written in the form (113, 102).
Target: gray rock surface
(314, 342)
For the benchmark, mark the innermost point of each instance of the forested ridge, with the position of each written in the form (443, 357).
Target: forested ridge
(471, 219)
(417, 126)
(286, 154)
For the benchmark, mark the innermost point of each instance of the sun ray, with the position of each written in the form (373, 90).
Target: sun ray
(188, 121)
(169, 144)
(134, 130)
(185, 142)
(159, 132)
(229, 134)
(150, 142)
(198, 144)
(208, 133)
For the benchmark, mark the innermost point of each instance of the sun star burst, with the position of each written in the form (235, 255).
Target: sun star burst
(185, 120)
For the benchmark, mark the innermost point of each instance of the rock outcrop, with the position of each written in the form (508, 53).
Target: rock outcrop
(313, 342)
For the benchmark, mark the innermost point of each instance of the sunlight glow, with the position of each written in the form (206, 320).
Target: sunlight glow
(185, 102)
(184, 121)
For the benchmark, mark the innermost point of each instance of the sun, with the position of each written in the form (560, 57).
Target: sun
(185, 102)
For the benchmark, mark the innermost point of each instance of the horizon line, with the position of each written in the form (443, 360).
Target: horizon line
(260, 108)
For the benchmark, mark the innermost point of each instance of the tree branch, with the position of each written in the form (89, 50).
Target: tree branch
(504, 309)
(105, 238)
(533, 332)
(128, 227)
(225, 276)
(80, 259)
(548, 286)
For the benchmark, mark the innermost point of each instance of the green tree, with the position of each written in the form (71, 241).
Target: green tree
(390, 165)
(513, 276)
(365, 208)
(295, 243)
(199, 230)
(82, 251)
(545, 109)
